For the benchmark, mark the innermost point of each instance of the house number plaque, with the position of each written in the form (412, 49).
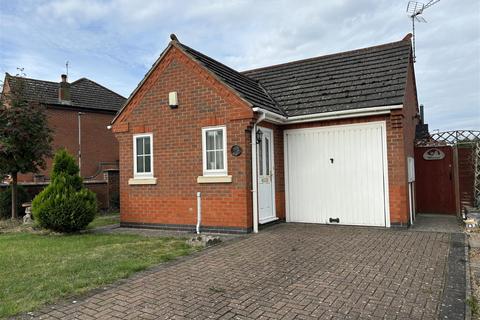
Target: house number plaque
(433, 154)
(236, 150)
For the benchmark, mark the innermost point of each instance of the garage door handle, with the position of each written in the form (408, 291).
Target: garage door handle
(337, 220)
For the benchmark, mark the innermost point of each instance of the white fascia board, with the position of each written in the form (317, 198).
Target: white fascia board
(271, 116)
(341, 116)
(279, 119)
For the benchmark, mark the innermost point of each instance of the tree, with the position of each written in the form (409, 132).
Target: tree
(65, 205)
(25, 138)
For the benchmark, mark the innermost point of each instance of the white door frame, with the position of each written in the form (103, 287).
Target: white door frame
(383, 126)
(272, 165)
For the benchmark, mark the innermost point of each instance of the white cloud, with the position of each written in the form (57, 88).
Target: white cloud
(116, 42)
(74, 11)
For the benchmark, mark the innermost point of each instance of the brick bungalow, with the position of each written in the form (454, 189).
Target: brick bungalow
(332, 137)
(65, 102)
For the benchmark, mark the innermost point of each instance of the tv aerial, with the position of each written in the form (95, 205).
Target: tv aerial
(414, 11)
(20, 72)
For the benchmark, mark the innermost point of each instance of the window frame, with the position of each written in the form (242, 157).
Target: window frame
(142, 175)
(214, 172)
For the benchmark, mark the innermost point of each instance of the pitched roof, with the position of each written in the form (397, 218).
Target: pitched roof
(369, 77)
(84, 93)
(248, 88)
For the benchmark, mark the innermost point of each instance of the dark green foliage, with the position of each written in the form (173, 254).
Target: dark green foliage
(6, 201)
(65, 205)
(64, 165)
(115, 203)
(24, 135)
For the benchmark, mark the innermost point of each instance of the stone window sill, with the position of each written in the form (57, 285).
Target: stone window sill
(141, 181)
(214, 179)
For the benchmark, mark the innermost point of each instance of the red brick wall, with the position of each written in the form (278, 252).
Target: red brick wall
(397, 169)
(98, 143)
(204, 101)
(99, 187)
(101, 190)
(410, 119)
(410, 112)
(177, 148)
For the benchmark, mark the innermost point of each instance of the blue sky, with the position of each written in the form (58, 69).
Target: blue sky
(115, 42)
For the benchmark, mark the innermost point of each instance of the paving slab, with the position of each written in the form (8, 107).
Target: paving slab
(474, 243)
(152, 232)
(291, 271)
(437, 223)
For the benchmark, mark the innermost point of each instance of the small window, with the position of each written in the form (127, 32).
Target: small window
(260, 158)
(267, 156)
(142, 153)
(214, 146)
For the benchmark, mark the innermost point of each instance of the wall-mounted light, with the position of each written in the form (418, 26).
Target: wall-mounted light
(259, 136)
(173, 100)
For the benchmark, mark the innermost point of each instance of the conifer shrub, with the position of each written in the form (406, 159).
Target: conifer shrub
(65, 205)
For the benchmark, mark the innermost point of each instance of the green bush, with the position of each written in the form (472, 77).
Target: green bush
(65, 205)
(6, 202)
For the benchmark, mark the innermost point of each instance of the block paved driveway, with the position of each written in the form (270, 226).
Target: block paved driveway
(286, 271)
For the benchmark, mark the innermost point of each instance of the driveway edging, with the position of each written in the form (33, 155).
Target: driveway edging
(468, 284)
(454, 292)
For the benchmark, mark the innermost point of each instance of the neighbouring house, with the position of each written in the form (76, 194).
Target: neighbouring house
(78, 113)
(322, 140)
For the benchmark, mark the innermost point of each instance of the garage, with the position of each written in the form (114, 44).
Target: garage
(337, 175)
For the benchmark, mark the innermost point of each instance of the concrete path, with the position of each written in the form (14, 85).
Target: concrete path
(291, 271)
(115, 228)
(436, 223)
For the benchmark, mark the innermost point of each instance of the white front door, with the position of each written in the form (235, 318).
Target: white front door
(266, 179)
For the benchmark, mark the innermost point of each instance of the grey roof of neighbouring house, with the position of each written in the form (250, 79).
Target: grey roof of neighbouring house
(369, 77)
(84, 93)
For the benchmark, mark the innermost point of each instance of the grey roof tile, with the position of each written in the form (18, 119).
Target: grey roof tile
(369, 77)
(84, 93)
(246, 87)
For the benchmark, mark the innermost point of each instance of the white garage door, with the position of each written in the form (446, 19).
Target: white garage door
(337, 173)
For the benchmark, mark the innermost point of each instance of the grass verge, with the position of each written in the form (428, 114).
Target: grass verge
(101, 221)
(36, 269)
(474, 306)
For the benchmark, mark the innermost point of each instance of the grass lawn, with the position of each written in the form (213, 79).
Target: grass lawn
(105, 220)
(36, 269)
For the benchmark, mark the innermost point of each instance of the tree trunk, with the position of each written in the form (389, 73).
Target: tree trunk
(14, 196)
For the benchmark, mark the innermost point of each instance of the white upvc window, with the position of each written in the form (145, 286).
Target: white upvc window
(143, 155)
(214, 151)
